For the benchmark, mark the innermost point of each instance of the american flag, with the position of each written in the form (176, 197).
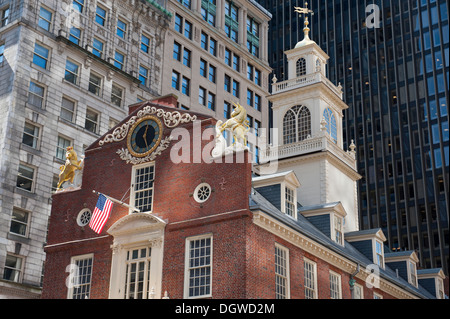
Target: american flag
(101, 214)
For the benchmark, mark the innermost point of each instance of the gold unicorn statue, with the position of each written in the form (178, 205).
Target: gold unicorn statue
(68, 169)
(237, 124)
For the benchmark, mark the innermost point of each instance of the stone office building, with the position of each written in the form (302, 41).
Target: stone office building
(68, 71)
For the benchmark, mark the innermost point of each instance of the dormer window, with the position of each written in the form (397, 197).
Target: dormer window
(290, 203)
(379, 253)
(301, 67)
(338, 230)
(412, 273)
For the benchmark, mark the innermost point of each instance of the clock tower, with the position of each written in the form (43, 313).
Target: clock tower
(307, 119)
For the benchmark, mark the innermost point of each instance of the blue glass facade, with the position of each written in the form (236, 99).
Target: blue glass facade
(396, 82)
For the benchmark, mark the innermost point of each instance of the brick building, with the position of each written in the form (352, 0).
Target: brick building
(207, 229)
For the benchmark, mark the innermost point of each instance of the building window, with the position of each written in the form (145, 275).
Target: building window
(202, 96)
(41, 56)
(236, 63)
(31, 135)
(78, 5)
(81, 277)
(358, 292)
(232, 21)
(236, 89)
(202, 193)
(61, 147)
(137, 282)
(75, 35)
(143, 75)
(116, 95)
(67, 109)
(296, 124)
(2, 52)
(257, 102)
(208, 11)
(440, 288)
(281, 272)
(198, 267)
(227, 83)
(379, 254)
(72, 72)
(186, 3)
(310, 279)
(212, 46)
(176, 80)
(289, 203)
(203, 67)
(121, 28)
(25, 177)
(412, 273)
(338, 230)
(178, 23)
(36, 95)
(4, 16)
(212, 73)
(177, 51)
(211, 101)
(45, 18)
(13, 268)
(226, 110)
(145, 44)
(253, 36)
(204, 41)
(91, 122)
(301, 67)
(249, 97)
(100, 16)
(187, 57)
(119, 60)
(377, 296)
(335, 286)
(186, 86)
(19, 222)
(330, 124)
(97, 47)
(188, 29)
(143, 186)
(95, 84)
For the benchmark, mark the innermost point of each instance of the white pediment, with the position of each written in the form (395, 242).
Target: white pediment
(136, 223)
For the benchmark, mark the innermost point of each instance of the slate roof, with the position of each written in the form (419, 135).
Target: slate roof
(303, 226)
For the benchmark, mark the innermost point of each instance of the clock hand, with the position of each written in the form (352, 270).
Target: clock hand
(145, 136)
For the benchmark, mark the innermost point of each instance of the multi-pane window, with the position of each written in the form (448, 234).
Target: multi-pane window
(211, 101)
(72, 72)
(212, 74)
(19, 222)
(142, 188)
(203, 68)
(91, 121)
(176, 80)
(119, 60)
(178, 23)
(61, 147)
(202, 96)
(121, 28)
(97, 47)
(100, 16)
(358, 292)
(45, 18)
(281, 272)
(2, 52)
(335, 286)
(67, 109)
(330, 124)
(301, 67)
(212, 46)
(75, 35)
(204, 41)
(145, 44)
(412, 271)
(116, 95)
(78, 5)
(338, 230)
(177, 51)
(289, 204)
(231, 21)
(4, 16)
(208, 11)
(227, 83)
(36, 95)
(379, 254)
(186, 86)
(198, 267)
(143, 75)
(253, 36)
(95, 84)
(81, 277)
(249, 97)
(296, 124)
(236, 88)
(236, 63)
(187, 57)
(310, 279)
(137, 274)
(226, 110)
(258, 102)
(31, 135)
(25, 177)
(188, 29)
(41, 56)
(186, 3)
(13, 269)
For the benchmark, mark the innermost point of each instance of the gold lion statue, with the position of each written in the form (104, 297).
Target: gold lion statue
(68, 169)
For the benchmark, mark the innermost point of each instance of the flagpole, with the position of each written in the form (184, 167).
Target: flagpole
(117, 201)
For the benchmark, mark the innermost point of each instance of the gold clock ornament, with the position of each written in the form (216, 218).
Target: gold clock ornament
(144, 136)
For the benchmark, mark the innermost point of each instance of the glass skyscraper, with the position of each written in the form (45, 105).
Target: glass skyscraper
(392, 59)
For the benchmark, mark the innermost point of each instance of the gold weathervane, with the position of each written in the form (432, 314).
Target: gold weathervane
(305, 11)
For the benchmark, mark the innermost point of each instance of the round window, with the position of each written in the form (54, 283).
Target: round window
(84, 217)
(202, 193)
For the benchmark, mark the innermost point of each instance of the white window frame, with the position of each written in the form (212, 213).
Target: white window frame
(50, 22)
(292, 203)
(116, 97)
(24, 224)
(76, 75)
(440, 292)
(18, 271)
(36, 136)
(33, 179)
(337, 234)
(33, 95)
(377, 296)
(62, 149)
(97, 87)
(335, 280)
(188, 268)
(412, 273)
(314, 290)
(284, 275)
(74, 275)
(147, 260)
(360, 293)
(67, 110)
(133, 192)
(375, 253)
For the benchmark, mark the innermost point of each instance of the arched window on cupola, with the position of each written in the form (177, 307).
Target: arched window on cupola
(301, 67)
(331, 124)
(296, 124)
